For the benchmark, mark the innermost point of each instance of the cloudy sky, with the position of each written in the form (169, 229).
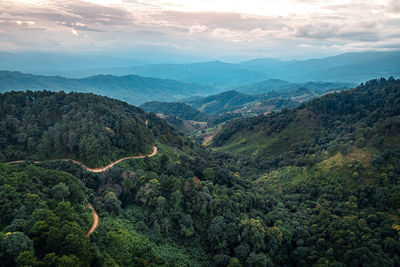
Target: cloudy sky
(213, 29)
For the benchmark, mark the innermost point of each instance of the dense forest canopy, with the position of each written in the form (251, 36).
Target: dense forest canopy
(85, 127)
(329, 197)
(42, 216)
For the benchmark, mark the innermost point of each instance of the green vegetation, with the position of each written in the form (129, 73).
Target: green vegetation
(223, 102)
(187, 119)
(43, 220)
(179, 109)
(309, 133)
(85, 127)
(321, 189)
(239, 104)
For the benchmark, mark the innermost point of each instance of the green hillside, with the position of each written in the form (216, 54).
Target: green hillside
(187, 119)
(179, 109)
(244, 104)
(223, 102)
(331, 123)
(92, 129)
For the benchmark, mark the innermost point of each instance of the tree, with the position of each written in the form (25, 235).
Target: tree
(68, 261)
(27, 258)
(111, 203)
(65, 211)
(186, 224)
(242, 251)
(234, 262)
(156, 232)
(15, 243)
(208, 174)
(50, 259)
(253, 232)
(216, 231)
(258, 260)
(221, 260)
(60, 191)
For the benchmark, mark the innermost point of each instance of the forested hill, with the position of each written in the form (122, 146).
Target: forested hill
(85, 127)
(225, 101)
(240, 103)
(182, 110)
(331, 123)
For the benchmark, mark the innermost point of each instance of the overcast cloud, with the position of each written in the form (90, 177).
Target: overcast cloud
(211, 28)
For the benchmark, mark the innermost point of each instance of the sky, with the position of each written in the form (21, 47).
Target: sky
(201, 29)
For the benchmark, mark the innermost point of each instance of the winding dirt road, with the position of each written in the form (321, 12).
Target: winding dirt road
(102, 169)
(95, 221)
(94, 214)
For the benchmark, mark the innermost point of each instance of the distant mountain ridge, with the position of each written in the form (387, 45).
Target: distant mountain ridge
(278, 85)
(348, 67)
(50, 63)
(131, 88)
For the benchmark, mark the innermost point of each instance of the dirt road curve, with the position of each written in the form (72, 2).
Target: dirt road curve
(102, 169)
(113, 163)
(95, 220)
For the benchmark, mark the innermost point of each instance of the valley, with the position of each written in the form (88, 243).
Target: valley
(199, 133)
(293, 186)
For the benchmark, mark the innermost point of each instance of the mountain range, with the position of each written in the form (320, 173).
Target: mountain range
(131, 88)
(348, 67)
(137, 89)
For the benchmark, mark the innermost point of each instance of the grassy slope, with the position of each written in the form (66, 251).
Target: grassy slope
(257, 142)
(336, 167)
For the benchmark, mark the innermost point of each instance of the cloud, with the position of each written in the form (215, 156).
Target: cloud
(197, 29)
(226, 34)
(317, 31)
(80, 26)
(304, 45)
(393, 6)
(222, 26)
(366, 31)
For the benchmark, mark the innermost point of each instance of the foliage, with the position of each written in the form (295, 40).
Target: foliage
(42, 223)
(85, 127)
(179, 109)
(305, 135)
(327, 200)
